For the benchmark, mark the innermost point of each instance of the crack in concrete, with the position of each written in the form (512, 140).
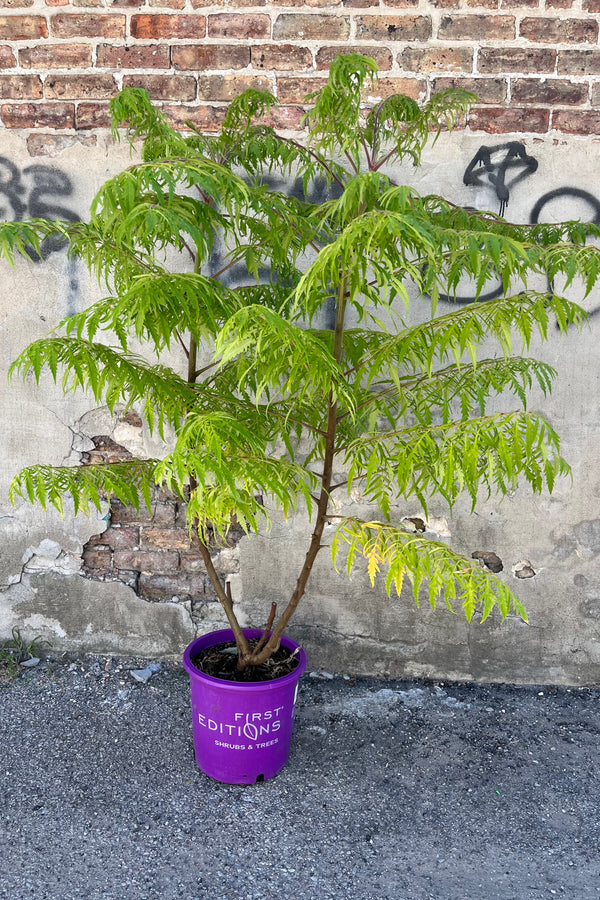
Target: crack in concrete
(345, 635)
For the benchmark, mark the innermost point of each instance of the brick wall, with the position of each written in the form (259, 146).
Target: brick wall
(535, 64)
(150, 550)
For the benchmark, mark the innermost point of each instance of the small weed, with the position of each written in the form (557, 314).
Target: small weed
(14, 651)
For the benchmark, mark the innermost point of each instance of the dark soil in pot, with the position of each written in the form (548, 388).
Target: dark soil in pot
(220, 661)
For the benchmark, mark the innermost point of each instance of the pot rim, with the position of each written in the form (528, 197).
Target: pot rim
(218, 637)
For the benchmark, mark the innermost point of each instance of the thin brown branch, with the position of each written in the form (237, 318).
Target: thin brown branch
(225, 268)
(323, 504)
(224, 598)
(314, 155)
(193, 349)
(204, 369)
(267, 631)
(185, 349)
(384, 159)
(352, 163)
(188, 248)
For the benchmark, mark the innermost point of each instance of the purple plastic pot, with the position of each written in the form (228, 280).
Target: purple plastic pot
(242, 731)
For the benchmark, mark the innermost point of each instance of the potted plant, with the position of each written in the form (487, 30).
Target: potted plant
(279, 405)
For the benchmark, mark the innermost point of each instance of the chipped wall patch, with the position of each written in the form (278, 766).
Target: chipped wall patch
(488, 559)
(523, 569)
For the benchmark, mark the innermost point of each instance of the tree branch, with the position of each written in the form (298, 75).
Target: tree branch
(314, 155)
(323, 503)
(185, 349)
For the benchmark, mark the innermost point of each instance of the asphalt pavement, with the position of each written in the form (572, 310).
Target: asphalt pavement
(394, 790)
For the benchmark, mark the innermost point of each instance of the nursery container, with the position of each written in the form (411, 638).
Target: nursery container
(242, 730)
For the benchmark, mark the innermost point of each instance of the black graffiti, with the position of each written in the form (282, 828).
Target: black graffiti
(494, 163)
(561, 194)
(317, 191)
(491, 165)
(463, 299)
(31, 192)
(590, 213)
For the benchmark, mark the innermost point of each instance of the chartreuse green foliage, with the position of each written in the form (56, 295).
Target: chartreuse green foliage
(405, 408)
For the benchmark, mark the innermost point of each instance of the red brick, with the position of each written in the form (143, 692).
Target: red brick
(20, 87)
(56, 56)
(564, 4)
(559, 31)
(552, 91)
(127, 4)
(280, 57)
(296, 26)
(585, 121)
(488, 4)
(210, 56)
(138, 56)
(447, 59)
(387, 87)
(125, 538)
(23, 28)
(239, 25)
(166, 539)
(44, 144)
(514, 120)
(579, 62)
(157, 26)
(154, 562)
(381, 55)
(286, 118)
(167, 4)
(93, 115)
(488, 90)
(164, 587)
(519, 4)
(393, 28)
(66, 25)
(38, 115)
(192, 563)
(57, 2)
(399, 4)
(294, 90)
(16, 4)
(592, 6)
(164, 87)
(205, 118)
(120, 514)
(200, 4)
(239, 3)
(454, 4)
(477, 28)
(97, 559)
(364, 4)
(80, 87)
(162, 513)
(226, 87)
(491, 60)
(97, 4)
(7, 58)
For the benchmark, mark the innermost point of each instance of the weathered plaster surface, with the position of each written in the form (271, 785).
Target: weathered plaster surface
(345, 625)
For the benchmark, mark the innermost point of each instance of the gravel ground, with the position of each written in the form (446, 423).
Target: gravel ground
(394, 789)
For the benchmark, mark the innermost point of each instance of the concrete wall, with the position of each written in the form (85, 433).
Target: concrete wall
(129, 584)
